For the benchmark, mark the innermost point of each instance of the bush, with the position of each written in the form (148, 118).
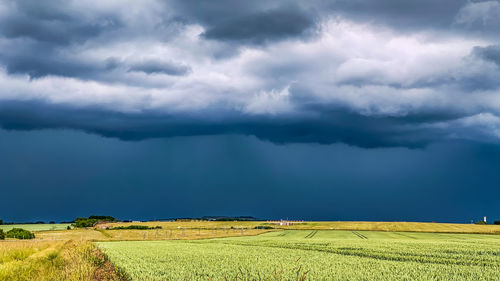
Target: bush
(263, 227)
(1, 222)
(68, 227)
(20, 233)
(2, 235)
(136, 227)
(496, 222)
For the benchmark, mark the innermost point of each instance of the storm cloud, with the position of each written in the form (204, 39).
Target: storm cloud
(367, 73)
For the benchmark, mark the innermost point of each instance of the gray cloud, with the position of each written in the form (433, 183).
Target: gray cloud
(40, 60)
(489, 53)
(263, 26)
(52, 22)
(332, 126)
(168, 68)
(480, 17)
(252, 22)
(402, 14)
(366, 73)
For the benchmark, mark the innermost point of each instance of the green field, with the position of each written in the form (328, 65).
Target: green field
(313, 255)
(35, 227)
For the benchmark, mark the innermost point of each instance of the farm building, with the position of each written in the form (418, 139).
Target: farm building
(101, 225)
(285, 222)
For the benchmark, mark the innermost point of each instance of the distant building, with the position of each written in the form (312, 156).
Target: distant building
(102, 225)
(285, 222)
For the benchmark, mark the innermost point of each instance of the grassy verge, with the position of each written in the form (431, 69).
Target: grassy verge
(54, 260)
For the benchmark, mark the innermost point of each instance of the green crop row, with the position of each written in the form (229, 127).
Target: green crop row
(300, 255)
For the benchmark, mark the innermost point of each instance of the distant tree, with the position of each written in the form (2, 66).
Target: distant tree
(481, 222)
(20, 233)
(2, 235)
(1, 222)
(84, 222)
(496, 222)
(92, 220)
(103, 218)
(52, 222)
(68, 228)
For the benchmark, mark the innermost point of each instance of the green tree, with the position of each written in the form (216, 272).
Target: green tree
(102, 218)
(2, 235)
(90, 221)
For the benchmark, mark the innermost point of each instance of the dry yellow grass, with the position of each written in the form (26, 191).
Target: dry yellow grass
(215, 229)
(339, 225)
(73, 234)
(153, 234)
(400, 226)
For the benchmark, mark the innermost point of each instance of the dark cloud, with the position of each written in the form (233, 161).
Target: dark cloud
(168, 68)
(263, 26)
(385, 74)
(401, 14)
(253, 22)
(333, 125)
(45, 61)
(490, 53)
(52, 22)
(332, 83)
(43, 36)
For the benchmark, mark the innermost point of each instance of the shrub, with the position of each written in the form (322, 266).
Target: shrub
(2, 235)
(1, 222)
(20, 233)
(496, 222)
(68, 227)
(263, 227)
(137, 227)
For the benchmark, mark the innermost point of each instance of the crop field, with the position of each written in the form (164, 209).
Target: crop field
(329, 225)
(35, 227)
(313, 255)
(152, 234)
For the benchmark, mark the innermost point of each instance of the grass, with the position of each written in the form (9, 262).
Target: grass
(53, 260)
(313, 255)
(35, 227)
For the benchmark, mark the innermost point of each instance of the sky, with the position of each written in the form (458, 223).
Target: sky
(321, 109)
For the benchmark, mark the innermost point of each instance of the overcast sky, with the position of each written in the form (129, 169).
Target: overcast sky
(370, 79)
